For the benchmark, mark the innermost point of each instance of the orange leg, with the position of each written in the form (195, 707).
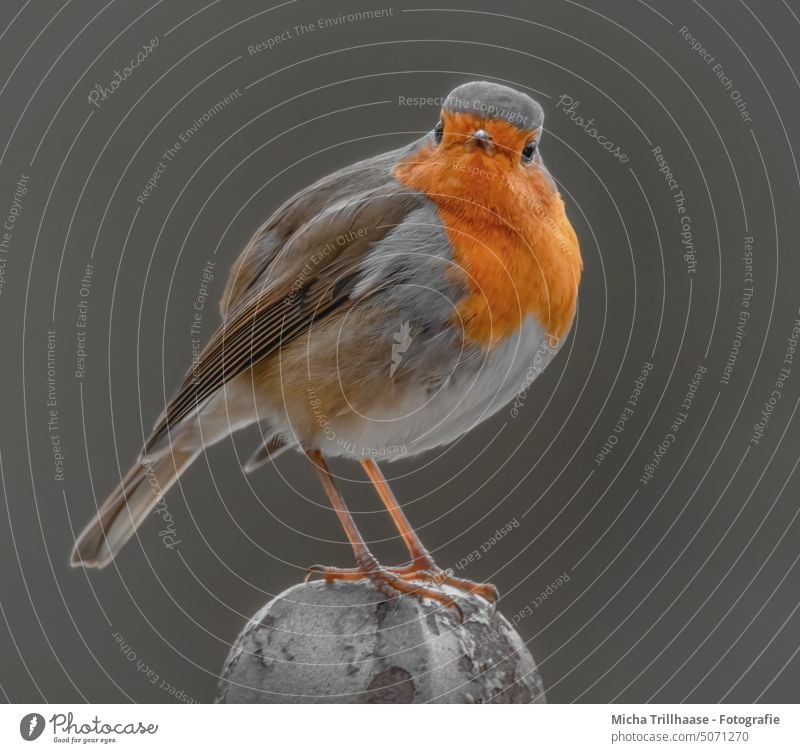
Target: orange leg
(420, 559)
(387, 581)
(422, 567)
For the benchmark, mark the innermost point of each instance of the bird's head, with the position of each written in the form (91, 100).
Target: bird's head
(484, 148)
(491, 121)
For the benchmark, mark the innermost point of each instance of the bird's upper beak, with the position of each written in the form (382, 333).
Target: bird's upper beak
(483, 139)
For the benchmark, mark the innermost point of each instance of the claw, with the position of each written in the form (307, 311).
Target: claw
(459, 610)
(486, 591)
(394, 581)
(312, 571)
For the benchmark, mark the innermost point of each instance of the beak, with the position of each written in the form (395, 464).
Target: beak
(482, 138)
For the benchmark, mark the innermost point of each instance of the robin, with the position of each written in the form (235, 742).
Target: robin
(385, 310)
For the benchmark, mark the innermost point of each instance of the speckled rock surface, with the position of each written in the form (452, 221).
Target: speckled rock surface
(348, 643)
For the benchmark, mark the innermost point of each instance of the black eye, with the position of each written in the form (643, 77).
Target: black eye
(438, 132)
(528, 151)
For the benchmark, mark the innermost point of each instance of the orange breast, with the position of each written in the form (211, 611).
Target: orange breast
(509, 234)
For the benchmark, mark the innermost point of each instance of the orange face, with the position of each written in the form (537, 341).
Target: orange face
(505, 141)
(506, 224)
(477, 159)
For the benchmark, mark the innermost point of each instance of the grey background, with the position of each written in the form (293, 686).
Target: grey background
(682, 589)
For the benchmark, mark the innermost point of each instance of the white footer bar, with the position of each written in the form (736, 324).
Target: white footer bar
(401, 729)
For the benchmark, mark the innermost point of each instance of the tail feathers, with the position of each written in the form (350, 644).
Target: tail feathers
(126, 507)
(267, 451)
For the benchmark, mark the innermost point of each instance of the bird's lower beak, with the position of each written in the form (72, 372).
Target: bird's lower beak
(483, 139)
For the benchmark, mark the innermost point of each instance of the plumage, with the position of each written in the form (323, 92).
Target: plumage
(381, 312)
(269, 449)
(277, 293)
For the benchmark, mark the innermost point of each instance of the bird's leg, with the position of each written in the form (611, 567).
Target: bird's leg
(420, 558)
(422, 566)
(387, 581)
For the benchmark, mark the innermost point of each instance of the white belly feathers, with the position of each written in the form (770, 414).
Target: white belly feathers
(423, 420)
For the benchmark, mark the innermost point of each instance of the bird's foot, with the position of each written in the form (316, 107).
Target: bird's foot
(426, 572)
(390, 581)
(487, 591)
(429, 572)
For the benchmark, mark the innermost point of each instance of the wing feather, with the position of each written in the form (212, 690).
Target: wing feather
(311, 275)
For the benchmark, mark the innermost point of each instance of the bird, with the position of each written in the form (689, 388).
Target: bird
(384, 311)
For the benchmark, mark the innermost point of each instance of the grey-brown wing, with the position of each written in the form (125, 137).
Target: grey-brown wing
(269, 243)
(310, 276)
